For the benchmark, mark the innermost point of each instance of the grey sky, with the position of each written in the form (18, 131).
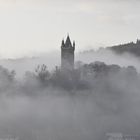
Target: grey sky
(35, 26)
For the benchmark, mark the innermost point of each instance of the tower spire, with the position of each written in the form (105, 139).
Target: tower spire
(68, 42)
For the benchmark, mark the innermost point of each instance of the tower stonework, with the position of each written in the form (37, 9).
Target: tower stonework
(67, 54)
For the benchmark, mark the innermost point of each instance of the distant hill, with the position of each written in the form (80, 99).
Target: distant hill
(131, 47)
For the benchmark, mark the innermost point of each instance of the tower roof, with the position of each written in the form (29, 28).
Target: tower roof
(68, 42)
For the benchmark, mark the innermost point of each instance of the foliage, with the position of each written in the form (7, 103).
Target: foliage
(83, 77)
(7, 78)
(42, 73)
(133, 48)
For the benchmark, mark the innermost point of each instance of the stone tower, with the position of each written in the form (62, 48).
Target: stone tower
(67, 54)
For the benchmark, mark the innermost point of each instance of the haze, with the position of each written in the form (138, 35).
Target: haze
(28, 27)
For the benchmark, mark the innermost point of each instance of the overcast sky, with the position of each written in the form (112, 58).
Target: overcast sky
(28, 27)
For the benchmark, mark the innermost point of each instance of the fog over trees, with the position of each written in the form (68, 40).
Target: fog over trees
(69, 90)
(132, 47)
(85, 103)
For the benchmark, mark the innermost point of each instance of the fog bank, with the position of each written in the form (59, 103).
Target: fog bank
(107, 102)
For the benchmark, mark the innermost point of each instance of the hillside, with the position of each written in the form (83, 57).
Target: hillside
(131, 47)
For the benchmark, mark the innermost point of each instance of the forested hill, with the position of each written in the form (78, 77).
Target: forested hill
(131, 47)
